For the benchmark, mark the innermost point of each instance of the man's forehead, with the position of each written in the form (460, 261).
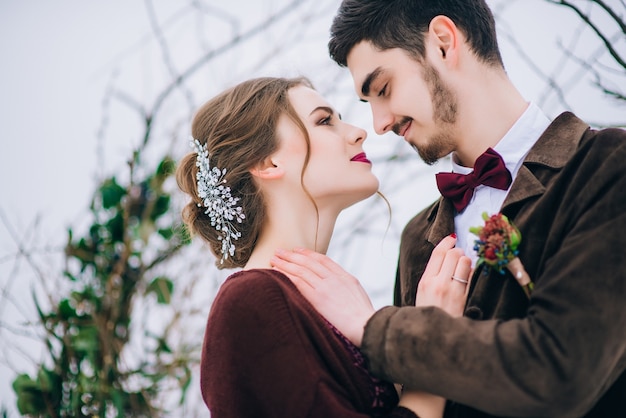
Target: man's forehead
(361, 54)
(365, 63)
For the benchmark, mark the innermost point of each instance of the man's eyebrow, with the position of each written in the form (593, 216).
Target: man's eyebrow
(371, 77)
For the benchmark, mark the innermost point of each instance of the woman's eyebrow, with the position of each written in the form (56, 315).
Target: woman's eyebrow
(324, 108)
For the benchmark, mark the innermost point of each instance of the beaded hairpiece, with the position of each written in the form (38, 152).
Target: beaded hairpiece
(216, 198)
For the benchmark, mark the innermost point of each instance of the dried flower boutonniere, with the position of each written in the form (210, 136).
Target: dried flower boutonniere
(497, 245)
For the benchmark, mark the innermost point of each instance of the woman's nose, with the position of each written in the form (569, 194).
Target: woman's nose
(356, 134)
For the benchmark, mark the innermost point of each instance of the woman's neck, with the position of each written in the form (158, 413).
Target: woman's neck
(288, 228)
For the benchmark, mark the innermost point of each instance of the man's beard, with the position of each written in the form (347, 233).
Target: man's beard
(444, 115)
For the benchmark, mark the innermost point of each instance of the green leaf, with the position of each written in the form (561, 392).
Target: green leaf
(516, 238)
(163, 288)
(86, 340)
(161, 206)
(163, 346)
(65, 310)
(116, 227)
(111, 193)
(166, 168)
(476, 230)
(184, 381)
(29, 395)
(184, 235)
(24, 382)
(44, 379)
(119, 399)
(166, 233)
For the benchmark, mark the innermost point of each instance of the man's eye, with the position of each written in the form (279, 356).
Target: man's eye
(382, 91)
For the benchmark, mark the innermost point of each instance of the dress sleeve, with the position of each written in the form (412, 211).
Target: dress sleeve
(260, 359)
(559, 359)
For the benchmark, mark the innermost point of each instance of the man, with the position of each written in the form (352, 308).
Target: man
(432, 73)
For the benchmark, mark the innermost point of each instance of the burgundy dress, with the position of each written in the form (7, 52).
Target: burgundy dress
(268, 353)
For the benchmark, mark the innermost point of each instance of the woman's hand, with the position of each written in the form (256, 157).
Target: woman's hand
(446, 279)
(423, 404)
(336, 294)
(445, 284)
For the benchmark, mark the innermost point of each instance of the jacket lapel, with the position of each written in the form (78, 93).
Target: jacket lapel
(552, 151)
(441, 217)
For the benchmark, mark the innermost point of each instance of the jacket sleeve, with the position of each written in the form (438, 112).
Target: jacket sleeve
(569, 348)
(259, 358)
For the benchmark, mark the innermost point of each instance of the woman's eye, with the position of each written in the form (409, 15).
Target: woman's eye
(325, 121)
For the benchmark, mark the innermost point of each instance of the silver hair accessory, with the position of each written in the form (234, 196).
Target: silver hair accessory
(216, 198)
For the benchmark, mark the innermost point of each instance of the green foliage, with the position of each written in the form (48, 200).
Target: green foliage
(162, 287)
(87, 330)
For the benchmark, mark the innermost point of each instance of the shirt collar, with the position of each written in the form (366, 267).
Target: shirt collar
(516, 143)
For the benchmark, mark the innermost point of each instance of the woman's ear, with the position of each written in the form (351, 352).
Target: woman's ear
(268, 169)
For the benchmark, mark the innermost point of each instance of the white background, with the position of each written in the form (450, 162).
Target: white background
(59, 135)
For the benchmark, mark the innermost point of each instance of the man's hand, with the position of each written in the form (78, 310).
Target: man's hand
(337, 295)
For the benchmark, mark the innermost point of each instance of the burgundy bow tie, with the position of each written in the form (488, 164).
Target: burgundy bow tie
(489, 169)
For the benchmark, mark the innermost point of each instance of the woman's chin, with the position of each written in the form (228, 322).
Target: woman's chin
(361, 196)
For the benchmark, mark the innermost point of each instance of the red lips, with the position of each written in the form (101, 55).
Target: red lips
(362, 158)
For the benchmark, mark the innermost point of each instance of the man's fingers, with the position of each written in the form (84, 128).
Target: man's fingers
(303, 262)
(295, 272)
(323, 260)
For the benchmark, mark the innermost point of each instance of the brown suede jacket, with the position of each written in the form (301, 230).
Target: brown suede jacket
(268, 353)
(563, 352)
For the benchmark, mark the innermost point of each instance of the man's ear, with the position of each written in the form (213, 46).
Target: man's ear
(268, 169)
(445, 37)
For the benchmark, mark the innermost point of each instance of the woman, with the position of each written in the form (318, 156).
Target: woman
(273, 167)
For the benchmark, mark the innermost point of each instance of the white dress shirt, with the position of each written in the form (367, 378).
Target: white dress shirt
(513, 148)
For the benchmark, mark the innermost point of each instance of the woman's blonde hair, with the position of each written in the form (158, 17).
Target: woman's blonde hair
(239, 129)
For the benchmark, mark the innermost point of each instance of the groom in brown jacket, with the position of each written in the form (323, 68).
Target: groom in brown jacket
(432, 73)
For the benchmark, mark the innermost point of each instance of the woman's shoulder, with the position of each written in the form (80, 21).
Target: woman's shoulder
(255, 279)
(263, 302)
(256, 286)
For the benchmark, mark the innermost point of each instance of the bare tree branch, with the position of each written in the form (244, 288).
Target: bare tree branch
(585, 18)
(165, 52)
(211, 55)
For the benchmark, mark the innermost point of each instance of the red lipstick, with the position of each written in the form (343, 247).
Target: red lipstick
(362, 158)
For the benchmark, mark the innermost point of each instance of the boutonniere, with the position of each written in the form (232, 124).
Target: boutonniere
(496, 246)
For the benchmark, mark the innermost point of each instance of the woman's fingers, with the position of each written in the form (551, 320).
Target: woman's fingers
(438, 256)
(445, 281)
(463, 271)
(450, 262)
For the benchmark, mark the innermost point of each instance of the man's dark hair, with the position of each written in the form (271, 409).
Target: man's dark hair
(403, 24)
